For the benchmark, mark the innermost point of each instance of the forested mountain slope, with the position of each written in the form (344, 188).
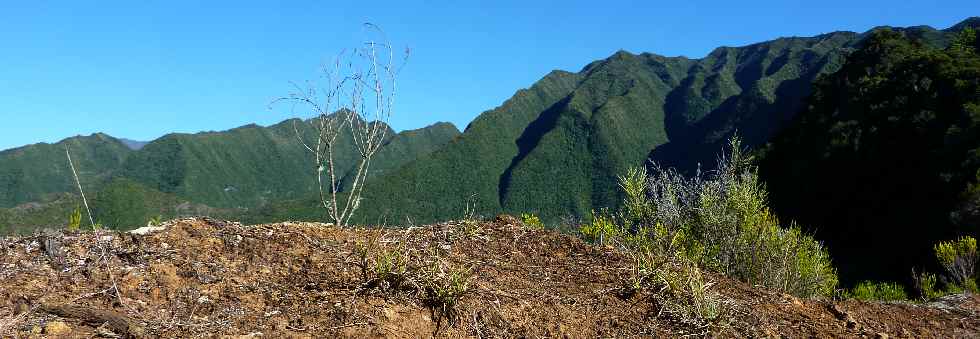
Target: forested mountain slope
(884, 161)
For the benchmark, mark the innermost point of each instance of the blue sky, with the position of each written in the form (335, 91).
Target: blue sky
(141, 69)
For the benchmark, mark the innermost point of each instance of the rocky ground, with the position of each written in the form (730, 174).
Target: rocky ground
(199, 277)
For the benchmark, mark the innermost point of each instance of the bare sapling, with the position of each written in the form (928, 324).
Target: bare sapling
(355, 94)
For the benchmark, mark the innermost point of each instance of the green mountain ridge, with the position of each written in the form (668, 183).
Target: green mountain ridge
(37, 172)
(214, 172)
(555, 149)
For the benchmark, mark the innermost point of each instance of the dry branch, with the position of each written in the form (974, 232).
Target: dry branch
(119, 322)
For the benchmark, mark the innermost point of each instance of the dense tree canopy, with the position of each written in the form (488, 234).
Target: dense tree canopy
(884, 160)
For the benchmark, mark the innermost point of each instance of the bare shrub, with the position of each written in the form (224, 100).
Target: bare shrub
(356, 96)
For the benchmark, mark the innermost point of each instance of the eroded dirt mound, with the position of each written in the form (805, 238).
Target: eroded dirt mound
(202, 277)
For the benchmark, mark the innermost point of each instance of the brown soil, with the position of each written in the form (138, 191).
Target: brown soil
(208, 278)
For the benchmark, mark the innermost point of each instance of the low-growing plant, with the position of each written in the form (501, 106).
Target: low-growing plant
(686, 293)
(878, 291)
(444, 286)
(75, 219)
(155, 221)
(470, 223)
(530, 220)
(601, 228)
(704, 302)
(390, 268)
(925, 284)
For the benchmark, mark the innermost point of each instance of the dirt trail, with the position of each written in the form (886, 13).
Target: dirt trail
(208, 278)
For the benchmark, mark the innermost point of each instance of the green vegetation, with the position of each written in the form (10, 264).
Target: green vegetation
(678, 285)
(445, 285)
(720, 221)
(959, 258)
(75, 220)
(531, 221)
(155, 221)
(885, 159)
(601, 228)
(557, 147)
(878, 291)
(259, 168)
(925, 284)
(252, 166)
(391, 269)
(39, 173)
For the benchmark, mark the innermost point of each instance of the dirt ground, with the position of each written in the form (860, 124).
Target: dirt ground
(200, 277)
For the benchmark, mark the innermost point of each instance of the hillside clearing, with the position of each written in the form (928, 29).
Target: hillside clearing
(205, 277)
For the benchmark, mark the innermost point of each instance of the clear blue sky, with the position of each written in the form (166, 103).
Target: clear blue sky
(140, 69)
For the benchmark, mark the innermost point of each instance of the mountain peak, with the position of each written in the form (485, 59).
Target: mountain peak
(971, 22)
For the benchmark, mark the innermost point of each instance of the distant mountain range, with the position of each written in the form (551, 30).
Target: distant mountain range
(554, 149)
(234, 170)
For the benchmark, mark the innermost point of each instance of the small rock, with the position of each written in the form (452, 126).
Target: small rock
(56, 328)
(147, 230)
(881, 335)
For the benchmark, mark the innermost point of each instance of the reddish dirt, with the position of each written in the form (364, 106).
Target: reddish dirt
(207, 278)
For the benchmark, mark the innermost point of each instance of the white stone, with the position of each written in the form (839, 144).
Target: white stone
(147, 230)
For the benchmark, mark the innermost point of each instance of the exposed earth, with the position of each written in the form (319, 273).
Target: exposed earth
(199, 277)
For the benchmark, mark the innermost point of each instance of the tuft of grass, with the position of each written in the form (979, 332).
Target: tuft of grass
(444, 286)
(155, 221)
(678, 286)
(878, 291)
(390, 268)
(530, 220)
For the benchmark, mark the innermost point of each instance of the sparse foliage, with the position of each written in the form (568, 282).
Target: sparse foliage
(357, 99)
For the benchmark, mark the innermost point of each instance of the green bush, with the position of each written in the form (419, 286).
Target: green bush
(531, 221)
(721, 221)
(878, 291)
(959, 258)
